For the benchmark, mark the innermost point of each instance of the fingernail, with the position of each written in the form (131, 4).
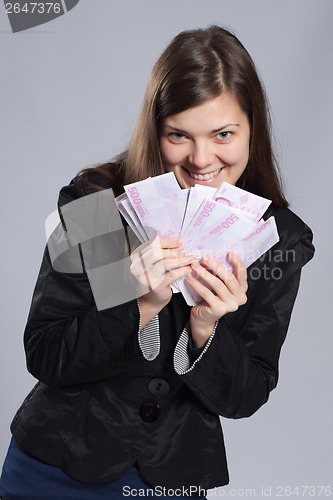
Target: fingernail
(195, 264)
(189, 256)
(206, 258)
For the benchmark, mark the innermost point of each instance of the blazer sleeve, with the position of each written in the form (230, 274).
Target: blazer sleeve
(238, 367)
(67, 340)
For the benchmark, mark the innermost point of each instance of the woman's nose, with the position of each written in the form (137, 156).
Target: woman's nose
(201, 155)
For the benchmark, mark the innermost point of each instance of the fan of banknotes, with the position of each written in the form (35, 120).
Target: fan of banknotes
(208, 220)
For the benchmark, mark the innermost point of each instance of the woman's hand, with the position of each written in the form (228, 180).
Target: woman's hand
(156, 266)
(226, 292)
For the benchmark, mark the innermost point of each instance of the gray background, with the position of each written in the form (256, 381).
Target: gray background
(70, 94)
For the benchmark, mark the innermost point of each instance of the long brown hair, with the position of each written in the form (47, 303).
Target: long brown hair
(196, 66)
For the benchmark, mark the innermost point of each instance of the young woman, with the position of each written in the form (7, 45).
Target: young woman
(105, 417)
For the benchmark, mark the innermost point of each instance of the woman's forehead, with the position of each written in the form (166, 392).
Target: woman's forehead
(210, 116)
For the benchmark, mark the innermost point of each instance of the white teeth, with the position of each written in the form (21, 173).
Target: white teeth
(206, 177)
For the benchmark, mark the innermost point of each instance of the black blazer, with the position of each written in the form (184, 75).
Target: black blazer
(100, 407)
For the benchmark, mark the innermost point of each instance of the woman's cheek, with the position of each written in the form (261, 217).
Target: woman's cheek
(171, 157)
(237, 153)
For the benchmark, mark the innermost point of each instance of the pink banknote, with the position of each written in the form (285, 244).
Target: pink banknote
(252, 205)
(209, 221)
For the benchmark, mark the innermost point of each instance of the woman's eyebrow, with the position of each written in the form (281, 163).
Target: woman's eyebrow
(175, 128)
(215, 131)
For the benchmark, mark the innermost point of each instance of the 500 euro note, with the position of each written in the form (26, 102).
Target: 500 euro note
(227, 219)
(260, 239)
(214, 227)
(196, 196)
(252, 205)
(129, 214)
(218, 229)
(156, 202)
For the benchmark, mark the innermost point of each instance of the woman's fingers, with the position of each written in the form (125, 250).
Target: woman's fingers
(221, 284)
(176, 274)
(164, 261)
(161, 261)
(158, 249)
(206, 292)
(171, 257)
(221, 275)
(239, 268)
(170, 242)
(151, 261)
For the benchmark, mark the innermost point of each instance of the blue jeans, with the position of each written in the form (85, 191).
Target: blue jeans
(25, 478)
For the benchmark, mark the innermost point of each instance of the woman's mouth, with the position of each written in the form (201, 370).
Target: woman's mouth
(205, 177)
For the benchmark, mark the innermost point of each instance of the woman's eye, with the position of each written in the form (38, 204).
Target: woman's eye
(224, 135)
(177, 135)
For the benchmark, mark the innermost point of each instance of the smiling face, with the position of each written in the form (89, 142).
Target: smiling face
(207, 144)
